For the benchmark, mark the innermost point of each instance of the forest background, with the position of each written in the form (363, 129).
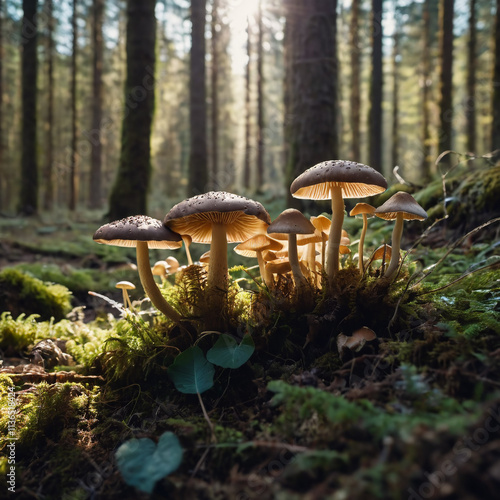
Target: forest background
(118, 106)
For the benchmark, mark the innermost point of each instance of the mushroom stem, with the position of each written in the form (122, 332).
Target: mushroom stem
(149, 284)
(262, 267)
(311, 261)
(361, 244)
(187, 242)
(332, 261)
(293, 258)
(126, 299)
(396, 246)
(217, 275)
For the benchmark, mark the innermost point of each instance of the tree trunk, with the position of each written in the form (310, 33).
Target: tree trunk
(28, 200)
(198, 161)
(375, 114)
(129, 194)
(247, 158)
(73, 172)
(355, 117)
(260, 101)
(470, 105)
(395, 93)
(48, 199)
(495, 126)
(446, 77)
(426, 165)
(311, 99)
(215, 100)
(95, 185)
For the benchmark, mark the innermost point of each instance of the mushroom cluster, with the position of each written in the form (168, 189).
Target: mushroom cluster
(290, 244)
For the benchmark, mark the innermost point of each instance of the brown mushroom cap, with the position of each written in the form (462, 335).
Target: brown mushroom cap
(257, 243)
(126, 232)
(404, 203)
(362, 208)
(321, 223)
(242, 217)
(291, 221)
(383, 252)
(355, 179)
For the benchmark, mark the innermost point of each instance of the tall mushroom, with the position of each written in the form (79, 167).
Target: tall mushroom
(336, 180)
(292, 222)
(365, 210)
(143, 232)
(400, 207)
(217, 218)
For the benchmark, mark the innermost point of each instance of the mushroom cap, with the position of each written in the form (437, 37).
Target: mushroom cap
(362, 208)
(242, 217)
(173, 263)
(383, 251)
(355, 179)
(404, 203)
(125, 285)
(278, 266)
(205, 258)
(257, 243)
(160, 268)
(291, 221)
(305, 239)
(321, 223)
(126, 232)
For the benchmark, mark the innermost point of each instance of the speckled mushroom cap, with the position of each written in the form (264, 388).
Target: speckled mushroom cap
(242, 217)
(355, 179)
(126, 232)
(404, 203)
(291, 221)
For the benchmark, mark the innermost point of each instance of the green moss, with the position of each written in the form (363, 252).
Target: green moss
(23, 294)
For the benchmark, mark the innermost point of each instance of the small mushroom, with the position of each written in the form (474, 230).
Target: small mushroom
(124, 286)
(400, 207)
(161, 269)
(383, 253)
(365, 210)
(356, 341)
(173, 263)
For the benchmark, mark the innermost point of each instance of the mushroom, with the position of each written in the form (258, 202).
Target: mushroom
(124, 286)
(365, 210)
(383, 253)
(187, 243)
(161, 269)
(173, 263)
(322, 224)
(217, 218)
(292, 222)
(400, 207)
(310, 240)
(143, 232)
(254, 247)
(336, 180)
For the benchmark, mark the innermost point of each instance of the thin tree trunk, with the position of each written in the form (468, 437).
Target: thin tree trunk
(495, 126)
(48, 200)
(73, 173)
(426, 94)
(355, 117)
(246, 163)
(395, 94)
(28, 200)
(375, 115)
(470, 105)
(198, 159)
(95, 187)
(446, 77)
(215, 96)
(311, 75)
(129, 194)
(260, 101)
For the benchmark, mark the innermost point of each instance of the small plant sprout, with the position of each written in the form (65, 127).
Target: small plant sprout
(124, 286)
(292, 222)
(143, 232)
(399, 207)
(365, 210)
(335, 180)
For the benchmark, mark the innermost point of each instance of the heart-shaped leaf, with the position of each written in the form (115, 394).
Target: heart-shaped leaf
(191, 373)
(227, 353)
(142, 462)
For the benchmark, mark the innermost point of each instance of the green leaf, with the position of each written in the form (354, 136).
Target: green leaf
(229, 354)
(191, 373)
(142, 462)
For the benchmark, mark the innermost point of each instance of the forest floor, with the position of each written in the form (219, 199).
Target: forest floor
(412, 413)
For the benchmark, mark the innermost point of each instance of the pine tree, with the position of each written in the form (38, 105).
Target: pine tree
(355, 97)
(73, 171)
(470, 105)
(495, 126)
